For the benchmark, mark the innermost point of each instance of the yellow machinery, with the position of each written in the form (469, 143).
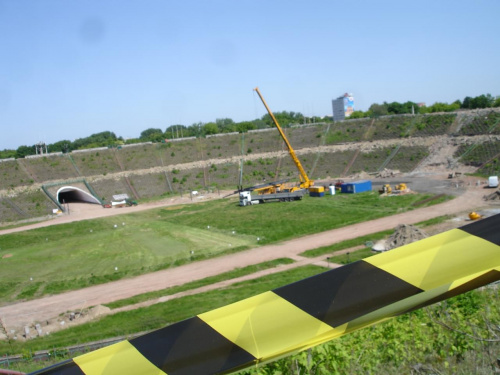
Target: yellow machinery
(474, 216)
(305, 182)
(386, 189)
(402, 186)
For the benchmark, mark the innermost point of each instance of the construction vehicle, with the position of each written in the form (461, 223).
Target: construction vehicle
(130, 202)
(273, 191)
(281, 190)
(385, 189)
(402, 187)
(248, 199)
(493, 181)
(305, 182)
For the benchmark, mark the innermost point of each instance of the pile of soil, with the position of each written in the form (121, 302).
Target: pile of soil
(43, 328)
(386, 173)
(495, 196)
(404, 234)
(361, 176)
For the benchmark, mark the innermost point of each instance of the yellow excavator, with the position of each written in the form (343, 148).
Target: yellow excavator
(280, 190)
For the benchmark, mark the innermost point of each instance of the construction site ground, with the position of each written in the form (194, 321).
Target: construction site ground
(469, 193)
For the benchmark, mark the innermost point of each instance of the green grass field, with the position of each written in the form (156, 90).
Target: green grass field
(348, 352)
(159, 315)
(71, 256)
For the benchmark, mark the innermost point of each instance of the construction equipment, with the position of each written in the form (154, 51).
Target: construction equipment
(248, 199)
(274, 191)
(280, 191)
(385, 189)
(305, 182)
(130, 202)
(402, 186)
(474, 216)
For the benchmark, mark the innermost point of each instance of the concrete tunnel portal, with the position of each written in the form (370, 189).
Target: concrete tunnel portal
(71, 194)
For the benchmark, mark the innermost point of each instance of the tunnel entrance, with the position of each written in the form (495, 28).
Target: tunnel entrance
(71, 194)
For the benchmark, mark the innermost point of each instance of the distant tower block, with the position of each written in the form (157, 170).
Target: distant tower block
(343, 107)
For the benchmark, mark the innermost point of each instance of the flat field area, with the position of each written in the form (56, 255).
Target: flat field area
(71, 256)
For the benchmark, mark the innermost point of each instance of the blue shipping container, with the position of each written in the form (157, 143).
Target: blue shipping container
(313, 194)
(356, 187)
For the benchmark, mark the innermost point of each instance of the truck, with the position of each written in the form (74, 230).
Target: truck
(248, 199)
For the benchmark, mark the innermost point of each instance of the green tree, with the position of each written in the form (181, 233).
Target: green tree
(152, 135)
(61, 146)
(284, 118)
(195, 130)
(7, 154)
(441, 107)
(23, 151)
(379, 109)
(102, 139)
(225, 125)
(131, 141)
(396, 108)
(481, 101)
(176, 131)
(467, 103)
(358, 114)
(245, 126)
(210, 128)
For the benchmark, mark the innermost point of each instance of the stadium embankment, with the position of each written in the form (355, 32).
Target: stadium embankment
(467, 141)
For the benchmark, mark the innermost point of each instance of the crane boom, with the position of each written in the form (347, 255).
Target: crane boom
(305, 181)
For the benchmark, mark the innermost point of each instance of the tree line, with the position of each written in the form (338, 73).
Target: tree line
(395, 108)
(227, 125)
(200, 129)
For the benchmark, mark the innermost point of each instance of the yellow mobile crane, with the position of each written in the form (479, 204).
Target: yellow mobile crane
(280, 190)
(305, 182)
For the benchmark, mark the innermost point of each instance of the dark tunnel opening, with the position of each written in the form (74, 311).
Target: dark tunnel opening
(75, 195)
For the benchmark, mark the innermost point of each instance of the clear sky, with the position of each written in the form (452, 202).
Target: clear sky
(70, 68)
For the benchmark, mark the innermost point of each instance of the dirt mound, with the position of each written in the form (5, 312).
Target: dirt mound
(386, 173)
(403, 235)
(361, 176)
(45, 327)
(495, 196)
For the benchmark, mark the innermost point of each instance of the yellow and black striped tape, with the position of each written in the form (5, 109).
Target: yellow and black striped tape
(308, 312)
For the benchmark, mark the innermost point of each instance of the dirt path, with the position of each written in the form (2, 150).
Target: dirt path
(24, 313)
(299, 262)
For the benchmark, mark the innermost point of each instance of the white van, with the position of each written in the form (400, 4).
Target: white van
(493, 181)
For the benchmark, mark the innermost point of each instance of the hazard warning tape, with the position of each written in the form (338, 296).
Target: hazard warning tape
(309, 312)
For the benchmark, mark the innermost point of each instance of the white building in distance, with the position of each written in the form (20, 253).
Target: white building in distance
(343, 106)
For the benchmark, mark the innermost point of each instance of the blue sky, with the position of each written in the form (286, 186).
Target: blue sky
(69, 69)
